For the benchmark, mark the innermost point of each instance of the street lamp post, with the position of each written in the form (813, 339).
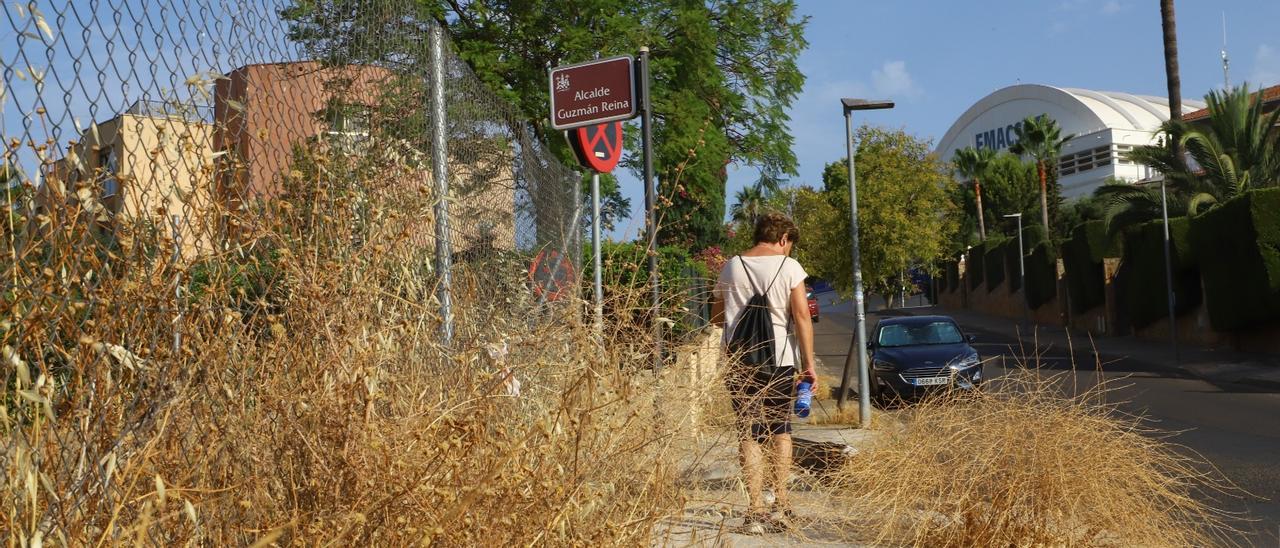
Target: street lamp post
(859, 345)
(1022, 269)
(1168, 273)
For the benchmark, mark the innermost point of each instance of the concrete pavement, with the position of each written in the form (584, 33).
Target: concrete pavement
(713, 514)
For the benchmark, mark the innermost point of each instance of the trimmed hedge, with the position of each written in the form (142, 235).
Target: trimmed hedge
(1144, 282)
(1042, 275)
(1011, 263)
(1082, 257)
(993, 264)
(953, 276)
(1237, 247)
(1032, 236)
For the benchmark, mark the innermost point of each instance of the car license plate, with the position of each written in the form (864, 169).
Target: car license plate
(932, 381)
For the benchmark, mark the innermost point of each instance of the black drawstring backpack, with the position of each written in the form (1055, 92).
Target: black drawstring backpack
(752, 341)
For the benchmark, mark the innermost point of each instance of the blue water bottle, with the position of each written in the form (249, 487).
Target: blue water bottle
(804, 397)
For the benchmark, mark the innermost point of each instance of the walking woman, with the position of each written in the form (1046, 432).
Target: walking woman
(763, 391)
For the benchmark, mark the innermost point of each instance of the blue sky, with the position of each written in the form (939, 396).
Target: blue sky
(936, 58)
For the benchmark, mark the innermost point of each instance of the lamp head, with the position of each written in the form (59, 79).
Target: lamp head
(865, 104)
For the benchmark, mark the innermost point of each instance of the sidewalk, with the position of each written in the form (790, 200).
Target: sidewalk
(1213, 365)
(717, 499)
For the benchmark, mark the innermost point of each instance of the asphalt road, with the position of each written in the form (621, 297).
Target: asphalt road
(1235, 428)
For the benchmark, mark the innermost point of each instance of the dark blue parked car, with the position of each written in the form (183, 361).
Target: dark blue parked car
(914, 354)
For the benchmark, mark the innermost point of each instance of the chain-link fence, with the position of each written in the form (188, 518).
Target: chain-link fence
(155, 134)
(174, 167)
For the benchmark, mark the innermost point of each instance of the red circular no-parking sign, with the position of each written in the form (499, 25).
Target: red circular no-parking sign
(551, 274)
(598, 147)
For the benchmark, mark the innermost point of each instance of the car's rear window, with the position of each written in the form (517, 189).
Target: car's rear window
(939, 332)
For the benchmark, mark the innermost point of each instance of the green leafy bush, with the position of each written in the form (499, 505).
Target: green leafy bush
(625, 264)
(1033, 235)
(1143, 266)
(685, 282)
(1237, 249)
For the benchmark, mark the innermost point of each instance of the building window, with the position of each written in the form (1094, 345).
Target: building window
(348, 127)
(1122, 153)
(109, 166)
(1086, 160)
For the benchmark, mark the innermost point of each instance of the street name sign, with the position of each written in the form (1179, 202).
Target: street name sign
(593, 93)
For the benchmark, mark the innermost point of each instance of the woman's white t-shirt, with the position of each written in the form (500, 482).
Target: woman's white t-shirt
(735, 289)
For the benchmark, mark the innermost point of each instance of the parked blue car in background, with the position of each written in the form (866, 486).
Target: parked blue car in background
(913, 355)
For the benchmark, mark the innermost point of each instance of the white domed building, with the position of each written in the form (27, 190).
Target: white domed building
(1105, 125)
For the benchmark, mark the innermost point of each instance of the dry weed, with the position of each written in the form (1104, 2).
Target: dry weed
(308, 399)
(1023, 464)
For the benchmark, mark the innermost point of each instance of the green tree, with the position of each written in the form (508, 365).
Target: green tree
(1040, 138)
(813, 213)
(972, 164)
(691, 145)
(904, 212)
(1009, 187)
(724, 74)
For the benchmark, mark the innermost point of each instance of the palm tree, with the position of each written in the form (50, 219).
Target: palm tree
(1168, 23)
(972, 163)
(749, 203)
(1237, 149)
(1040, 138)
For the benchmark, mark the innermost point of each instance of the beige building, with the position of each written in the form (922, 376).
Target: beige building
(149, 168)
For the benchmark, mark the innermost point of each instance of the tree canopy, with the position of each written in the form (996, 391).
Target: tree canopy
(724, 72)
(905, 215)
(1008, 186)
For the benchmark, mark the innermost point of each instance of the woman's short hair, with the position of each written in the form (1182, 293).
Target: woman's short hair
(772, 226)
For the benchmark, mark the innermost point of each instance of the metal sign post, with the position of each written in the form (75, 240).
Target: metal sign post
(593, 94)
(651, 219)
(598, 147)
(598, 286)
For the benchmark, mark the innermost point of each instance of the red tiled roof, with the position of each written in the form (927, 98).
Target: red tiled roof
(1269, 95)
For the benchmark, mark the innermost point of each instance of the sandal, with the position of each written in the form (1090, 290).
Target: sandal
(783, 517)
(758, 524)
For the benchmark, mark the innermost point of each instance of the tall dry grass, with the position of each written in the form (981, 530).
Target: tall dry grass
(1027, 463)
(313, 403)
